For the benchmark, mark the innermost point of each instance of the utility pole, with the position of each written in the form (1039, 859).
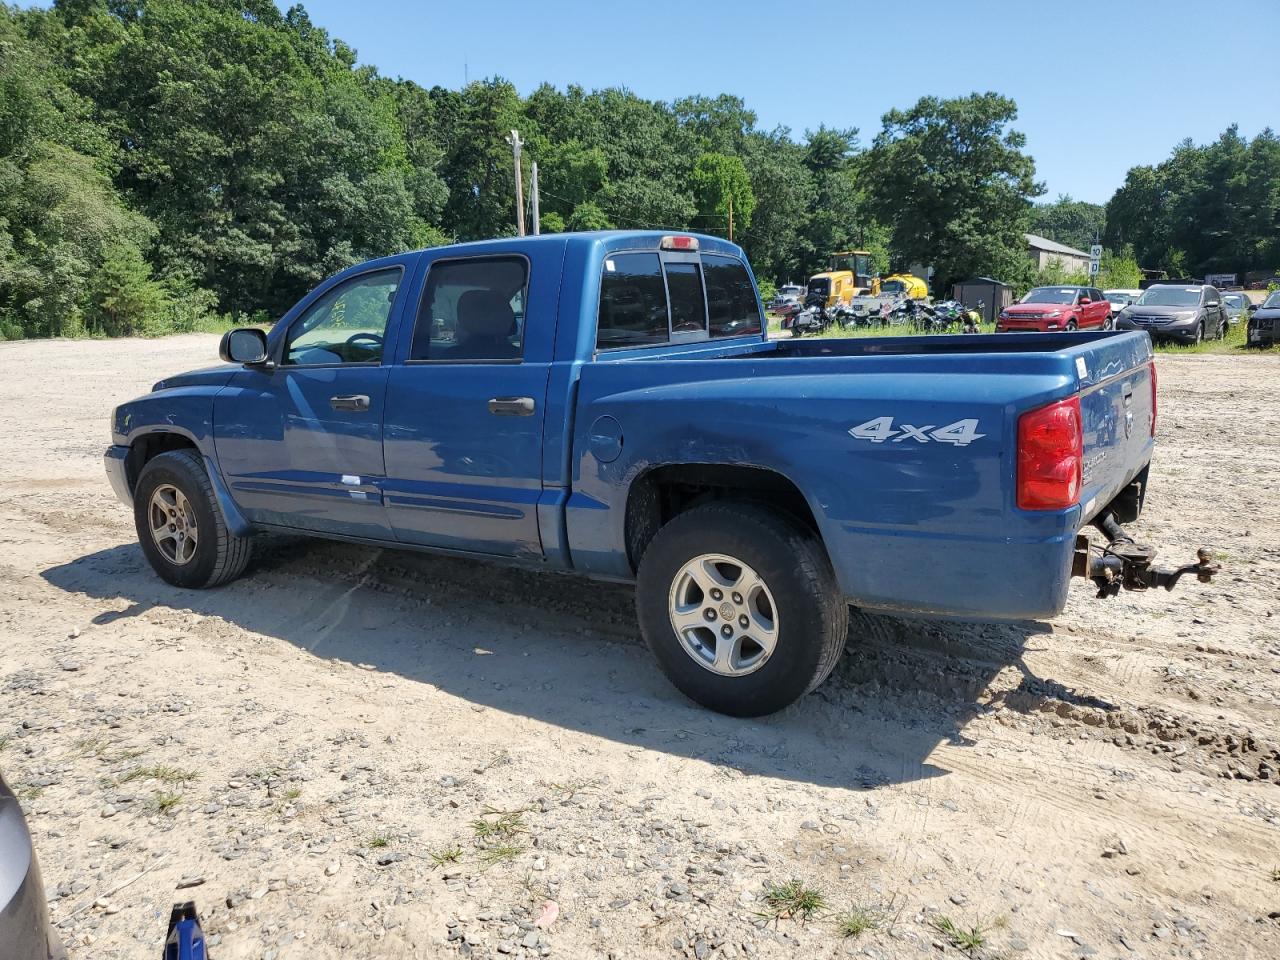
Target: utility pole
(731, 218)
(533, 197)
(516, 144)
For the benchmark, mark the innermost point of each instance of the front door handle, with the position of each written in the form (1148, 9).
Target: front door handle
(351, 401)
(511, 406)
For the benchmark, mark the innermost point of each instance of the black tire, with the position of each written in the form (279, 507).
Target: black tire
(220, 555)
(1200, 333)
(795, 331)
(1071, 325)
(811, 613)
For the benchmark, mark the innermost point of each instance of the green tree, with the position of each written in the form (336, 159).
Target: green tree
(1119, 270)
(723, 190)
(124, 298)
(1073, 222)
(952, 180)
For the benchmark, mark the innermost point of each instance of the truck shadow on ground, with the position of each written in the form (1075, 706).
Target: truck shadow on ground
(568, 652)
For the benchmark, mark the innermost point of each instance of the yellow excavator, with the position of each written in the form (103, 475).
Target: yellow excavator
(848, 275)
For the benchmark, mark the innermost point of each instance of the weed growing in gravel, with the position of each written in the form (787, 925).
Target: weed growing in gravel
(505, 824)
(446, 855)
(378, 841)
(570, 788)
(90, 747)
(858, 920)
(793, 899)
(5, 741)
(292, 794)
(131, 753)
(1275, 874)
(163, 774)
(29, 792)
(974, 938)
(164, 801)
(502, 853)
(499, 758)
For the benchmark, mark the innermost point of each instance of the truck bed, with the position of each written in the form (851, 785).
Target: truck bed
(866, 428)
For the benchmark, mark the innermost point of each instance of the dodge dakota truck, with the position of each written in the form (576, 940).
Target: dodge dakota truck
(610, 404)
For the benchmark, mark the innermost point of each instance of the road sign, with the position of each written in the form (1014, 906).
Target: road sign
(1093, 268)
(1095, 252)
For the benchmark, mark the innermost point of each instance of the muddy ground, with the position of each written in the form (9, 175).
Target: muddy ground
(360, 753)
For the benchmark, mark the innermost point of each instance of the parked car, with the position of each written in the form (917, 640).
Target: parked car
(1182, 313)
(567, 402)
(25, 933)
(1057, 308)
(1235, 306)
(1264, 322)
(1119, 299)
(785, 296)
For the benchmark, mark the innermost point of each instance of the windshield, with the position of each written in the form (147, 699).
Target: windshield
(1233, 299)
(1171, 297)
(1273, 300)
(893, 287)
(1050, 295)
(820, 285)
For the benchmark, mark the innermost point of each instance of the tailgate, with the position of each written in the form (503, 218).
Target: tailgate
(1117, 402)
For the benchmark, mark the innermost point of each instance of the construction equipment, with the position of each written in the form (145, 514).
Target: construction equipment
(900, 285)
(848, 274)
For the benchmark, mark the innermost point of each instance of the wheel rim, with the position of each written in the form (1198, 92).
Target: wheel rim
(723, 614)
(173, 524)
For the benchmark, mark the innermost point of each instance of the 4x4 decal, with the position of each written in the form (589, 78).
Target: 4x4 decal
(961, 433)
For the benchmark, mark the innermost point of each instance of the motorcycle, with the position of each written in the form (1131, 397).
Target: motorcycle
(812, 319)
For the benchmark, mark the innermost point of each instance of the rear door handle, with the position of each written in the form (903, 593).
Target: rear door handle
(351, 401)
(511, 406)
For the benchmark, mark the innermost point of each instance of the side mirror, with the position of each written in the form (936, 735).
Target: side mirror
(244, 345)
(1085, 300)
(1253, 308)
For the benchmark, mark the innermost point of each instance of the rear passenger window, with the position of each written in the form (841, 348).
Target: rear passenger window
(731, 297)
(472, 311)
(633, 301)
(688, 309)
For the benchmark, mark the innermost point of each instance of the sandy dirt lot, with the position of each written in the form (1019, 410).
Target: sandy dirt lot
(360, 753)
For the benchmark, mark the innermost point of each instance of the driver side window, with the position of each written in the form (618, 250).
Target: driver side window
(346, 325)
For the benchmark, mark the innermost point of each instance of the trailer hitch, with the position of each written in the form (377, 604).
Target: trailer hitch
(1128, 564)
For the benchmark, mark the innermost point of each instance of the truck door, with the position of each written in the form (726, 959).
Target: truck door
(465, 407)
(300, 445)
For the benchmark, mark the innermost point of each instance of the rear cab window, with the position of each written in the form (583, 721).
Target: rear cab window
(647, 298)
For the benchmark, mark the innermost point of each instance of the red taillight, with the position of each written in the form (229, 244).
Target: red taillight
(1050, 451)
(1152, 365)
(679, 243)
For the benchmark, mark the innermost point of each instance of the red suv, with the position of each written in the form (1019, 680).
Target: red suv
(1057, 308)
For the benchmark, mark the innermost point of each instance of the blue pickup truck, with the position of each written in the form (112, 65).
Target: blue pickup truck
(610, 404)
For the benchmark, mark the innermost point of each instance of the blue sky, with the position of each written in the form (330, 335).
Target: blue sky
(1100, 87)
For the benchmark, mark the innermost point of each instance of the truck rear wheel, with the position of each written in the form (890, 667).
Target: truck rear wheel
(180, 525)
(741, 608)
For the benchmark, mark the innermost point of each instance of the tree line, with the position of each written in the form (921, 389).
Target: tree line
(167, 163)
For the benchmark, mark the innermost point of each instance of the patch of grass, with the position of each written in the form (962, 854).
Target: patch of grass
(170, 775)
(90, 747)
(292, 794)
(502, 853)
(1275, 874)
(793, 900)
(445, 855)
(29, 792)
(378, 841)
(165, 801)
(130, 753)
(5, 741)
(569, 789)
(503, 825)
(857, 920)
(966, 939)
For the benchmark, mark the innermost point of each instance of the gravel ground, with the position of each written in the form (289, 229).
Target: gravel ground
(359, 753)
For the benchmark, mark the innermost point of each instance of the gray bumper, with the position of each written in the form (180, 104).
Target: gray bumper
(114, 460)
(25, 933)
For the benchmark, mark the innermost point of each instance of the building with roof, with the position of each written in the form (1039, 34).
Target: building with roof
(1044, 251)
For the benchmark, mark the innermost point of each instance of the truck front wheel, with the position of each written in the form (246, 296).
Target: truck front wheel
(741, 607)
(180, 525)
